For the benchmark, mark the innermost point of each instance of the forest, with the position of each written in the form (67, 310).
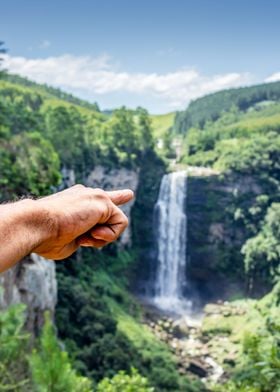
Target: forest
(100, 339)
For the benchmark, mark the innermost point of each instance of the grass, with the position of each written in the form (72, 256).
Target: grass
(127, 312)
(161, 123)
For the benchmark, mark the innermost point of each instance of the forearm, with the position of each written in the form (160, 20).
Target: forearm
(56, 226)
(18, 232)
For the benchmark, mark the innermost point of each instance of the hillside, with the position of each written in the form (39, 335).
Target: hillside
(50, 92)
(218, 142)
(34, 115)
(161, 123)
(212, 106)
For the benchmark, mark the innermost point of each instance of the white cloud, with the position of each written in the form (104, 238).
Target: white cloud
(273, 78)
(98, 76)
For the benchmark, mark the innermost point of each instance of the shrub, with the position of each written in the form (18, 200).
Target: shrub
(123, 382)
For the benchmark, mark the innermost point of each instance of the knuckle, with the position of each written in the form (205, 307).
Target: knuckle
(100, 192)
(103, 200)
(101, 195)
(78, 186)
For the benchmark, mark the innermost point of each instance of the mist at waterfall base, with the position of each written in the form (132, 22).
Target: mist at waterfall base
(171, 292)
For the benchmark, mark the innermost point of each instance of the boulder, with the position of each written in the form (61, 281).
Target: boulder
(198, 368)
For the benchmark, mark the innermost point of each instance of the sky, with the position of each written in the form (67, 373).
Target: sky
(158, 54)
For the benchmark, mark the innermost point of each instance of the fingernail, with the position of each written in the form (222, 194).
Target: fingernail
(128, 192)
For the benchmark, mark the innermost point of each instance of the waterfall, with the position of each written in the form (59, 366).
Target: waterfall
(171, 231)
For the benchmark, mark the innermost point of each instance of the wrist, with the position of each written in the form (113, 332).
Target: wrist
(18, 233)
(31, 222)
(40, 223)
(28, 218)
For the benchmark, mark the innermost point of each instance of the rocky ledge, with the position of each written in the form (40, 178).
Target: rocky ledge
(33, 283)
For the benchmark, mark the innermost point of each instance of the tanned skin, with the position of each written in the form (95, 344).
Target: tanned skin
(56, 226)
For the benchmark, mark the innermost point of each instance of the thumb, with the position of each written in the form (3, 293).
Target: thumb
(121, 196)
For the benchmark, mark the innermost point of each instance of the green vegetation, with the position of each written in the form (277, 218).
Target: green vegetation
(161, 123)
(100, 323)
(262, 252)
(51, 369)
(13, 343)
(163, 133)
(40, 133)
(253, 333)
(125, 383)
(46, 368)
(51, 92)
(212, 106)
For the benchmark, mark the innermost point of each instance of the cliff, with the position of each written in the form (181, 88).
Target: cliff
(215, 264)
(32, 282)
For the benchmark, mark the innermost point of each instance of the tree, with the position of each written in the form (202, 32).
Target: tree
(145, 128)
(13, 346)
(65, 131)
(121, 137)
(51, 368)
(28, 164)
(262, 252)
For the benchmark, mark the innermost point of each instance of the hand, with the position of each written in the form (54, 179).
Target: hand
(79, 216)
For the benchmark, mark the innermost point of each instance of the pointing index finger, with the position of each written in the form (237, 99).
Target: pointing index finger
(121, 196)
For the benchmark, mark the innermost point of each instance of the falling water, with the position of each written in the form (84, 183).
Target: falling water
(171, 228)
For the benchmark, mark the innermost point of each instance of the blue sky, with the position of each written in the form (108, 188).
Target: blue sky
(157, 54)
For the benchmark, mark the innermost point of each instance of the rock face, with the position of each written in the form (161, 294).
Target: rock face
(32, 282)
(214, 237)
(68, 178)
(112, 179)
